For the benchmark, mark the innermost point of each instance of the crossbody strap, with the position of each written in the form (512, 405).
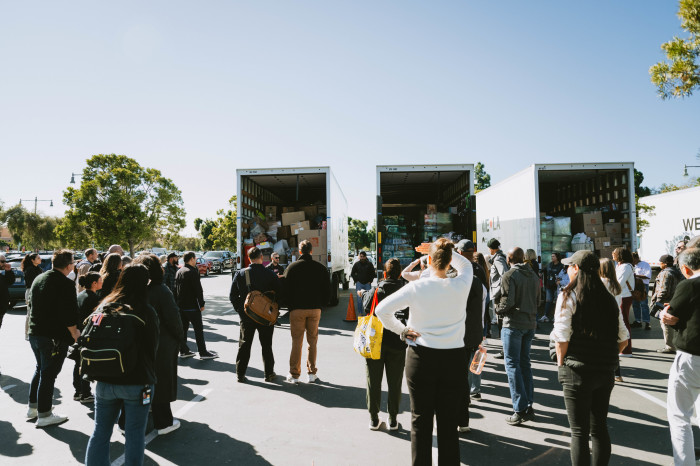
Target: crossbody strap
(247, 279)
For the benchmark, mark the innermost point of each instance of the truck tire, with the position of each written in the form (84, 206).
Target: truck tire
(346, 285)
(335, 293)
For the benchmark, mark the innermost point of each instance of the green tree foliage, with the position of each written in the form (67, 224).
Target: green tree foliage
(483, 179)
(33, 231)
(668, 187)
(220, 233)
(359, 234)
(205, 229)
(121, 202)
(641, 191)
(680, 74)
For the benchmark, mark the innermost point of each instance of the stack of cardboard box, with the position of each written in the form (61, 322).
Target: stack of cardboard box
(302, 224)
(606, 236)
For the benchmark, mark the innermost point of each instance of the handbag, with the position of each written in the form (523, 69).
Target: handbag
(368, 334)
(260, 307)
(638, 291)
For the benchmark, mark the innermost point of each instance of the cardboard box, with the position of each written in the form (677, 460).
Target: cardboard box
(317, 239)
(432, 209)
(310, 211)
(602, 242)
(286, 210)
(271, 213)
(595, 232)
(606, 252)
(593, 218)
(290, 218)
(293, 243)
(283, 232)
(299, 227)
(614, 230)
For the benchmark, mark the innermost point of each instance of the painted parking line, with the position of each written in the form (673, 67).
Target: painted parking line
(653, 399)
(9, 387)
(178, 414)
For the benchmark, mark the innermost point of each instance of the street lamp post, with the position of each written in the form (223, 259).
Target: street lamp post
(36, 201)
(686, 167)
(72, 177)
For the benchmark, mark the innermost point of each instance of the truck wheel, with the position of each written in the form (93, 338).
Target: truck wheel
(346, 285)
(335, 284)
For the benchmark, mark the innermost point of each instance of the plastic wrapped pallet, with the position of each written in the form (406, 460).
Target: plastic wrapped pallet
(562, 226)
(561, 243)
(547, 226)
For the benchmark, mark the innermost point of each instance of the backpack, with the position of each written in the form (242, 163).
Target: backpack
(109, 342)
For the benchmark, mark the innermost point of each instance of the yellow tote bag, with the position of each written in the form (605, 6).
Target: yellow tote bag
(368, 334)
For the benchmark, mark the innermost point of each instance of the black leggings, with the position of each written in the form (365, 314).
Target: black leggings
(587, 398)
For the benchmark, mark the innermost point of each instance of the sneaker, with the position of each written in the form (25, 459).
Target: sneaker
(271, 377)
(89, 398)
(499, 355)
(485, 342)
(476, 396)
(543, 320)
(188, 354)
(167, 430)
(77, 396)
(290, 379)
(529, 414)
(618, 379)
(647, 326)
(242, 379)
(624, 355)
(374, 424)
(313, 378)
(121, 431)
(463, 429)
(209, 355)
(666, 350)
(32, 413)
(392, 423)
(50, 420)
(636, 325)
(515, 419)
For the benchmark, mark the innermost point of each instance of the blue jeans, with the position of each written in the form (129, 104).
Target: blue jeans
(358, 301)
(474, 379)
(49, 361)
(550, 300)
(516, 347)
(109, 400)
(641, 308)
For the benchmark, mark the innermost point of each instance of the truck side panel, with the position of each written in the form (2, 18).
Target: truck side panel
(337, 226)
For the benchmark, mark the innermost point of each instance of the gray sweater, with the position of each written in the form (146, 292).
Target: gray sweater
(520, 289)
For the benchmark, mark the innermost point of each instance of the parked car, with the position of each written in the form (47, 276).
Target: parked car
(203, 265)
(224, 257)
(18, 288)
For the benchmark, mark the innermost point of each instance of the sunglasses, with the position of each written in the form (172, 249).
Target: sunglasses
(3, 262)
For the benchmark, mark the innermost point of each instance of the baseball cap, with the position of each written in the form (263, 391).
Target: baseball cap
(666, 259)
(171, 255)
(464, 244)
(586, 260)
(493, 243)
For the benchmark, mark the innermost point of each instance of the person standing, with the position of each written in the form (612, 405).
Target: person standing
(393, 352)
(7, 278)
(128, 392)
(53, 319)
(683, 316)
(588, 333)
(436, 356)
(642, 270)
(363, 274)
(88, 301)
(609, 278)
(664, 289)
(521, 295)
(261, 279)
(551, 285)
(190, 299)
(31, 269)
(625, 276)
(307, 289)
(83, 267)
(162, 300)
(170, 271)
(275, 265)
(111, 268)
(499, 266)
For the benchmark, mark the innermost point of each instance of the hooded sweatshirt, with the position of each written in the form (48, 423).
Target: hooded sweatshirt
(520, 288)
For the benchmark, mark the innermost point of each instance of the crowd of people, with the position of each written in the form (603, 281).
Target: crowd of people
(436, 314)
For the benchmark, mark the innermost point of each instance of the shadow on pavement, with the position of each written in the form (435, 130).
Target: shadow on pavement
(10, 446)
(76, 441)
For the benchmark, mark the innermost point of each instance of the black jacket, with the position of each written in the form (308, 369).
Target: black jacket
(188, 288)
(363, 272)
(474, 323)
(520, 290)
(163, 301)
(54, 306)
(169, 272)
(87, 303)
(307, 284)
(30, 275)
(685, 305)
(384, 289)
(261, 279)
(6, 281)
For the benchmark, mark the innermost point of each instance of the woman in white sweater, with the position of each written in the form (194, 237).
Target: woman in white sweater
(625, 276)
(436, 356)
(609, 277)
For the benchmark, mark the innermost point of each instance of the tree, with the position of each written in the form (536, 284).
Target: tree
(34, 231)
(225, 230)
(359, 234)
(669, 187)
(680, 75)
(119, 201)
(205, 229)
(483, 179)
(641, 191)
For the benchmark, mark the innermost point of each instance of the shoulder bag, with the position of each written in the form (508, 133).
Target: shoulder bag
(260, 307)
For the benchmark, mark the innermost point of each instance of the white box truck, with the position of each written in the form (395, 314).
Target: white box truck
(517, 211)
(676, 217)
(265, 195)
(420, 203)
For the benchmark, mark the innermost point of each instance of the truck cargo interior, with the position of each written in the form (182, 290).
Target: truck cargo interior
(594, 203)
(418, 207)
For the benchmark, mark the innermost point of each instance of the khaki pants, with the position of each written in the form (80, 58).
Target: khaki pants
(667, 337)
(300, 321)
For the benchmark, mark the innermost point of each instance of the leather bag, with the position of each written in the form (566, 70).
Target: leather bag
(260, 307)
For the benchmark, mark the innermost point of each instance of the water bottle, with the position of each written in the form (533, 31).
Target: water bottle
(479, 360)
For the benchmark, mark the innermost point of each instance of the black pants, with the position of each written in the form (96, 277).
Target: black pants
(587, 397)
(466, 399)
(245, 342)
(195, 318)
(50, 355)
(393, 361)
(436, 383)
(162, 415)
(81, 386)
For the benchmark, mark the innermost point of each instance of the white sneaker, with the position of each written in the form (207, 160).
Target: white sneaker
(622, 355)
(312, 378)
(464, 429)
(51, 420)
(121, 431)
(543, 319)
(32, 413)
(167, 430)
(292, 380)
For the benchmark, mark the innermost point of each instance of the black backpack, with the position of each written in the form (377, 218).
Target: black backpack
(109, 342)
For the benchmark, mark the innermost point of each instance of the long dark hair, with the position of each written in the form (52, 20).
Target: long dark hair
(596, 308)
(27, 261)
(132, 287)
(152, 263)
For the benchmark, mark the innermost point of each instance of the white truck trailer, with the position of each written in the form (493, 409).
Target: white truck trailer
(420, 203)
(597, 199)
(676, 217)
(280, 207)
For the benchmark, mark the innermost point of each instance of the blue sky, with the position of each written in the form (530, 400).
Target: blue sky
(198, 89)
